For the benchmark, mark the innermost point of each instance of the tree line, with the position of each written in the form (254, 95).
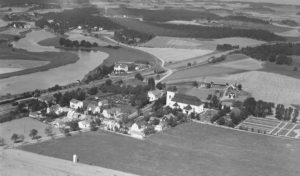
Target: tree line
(75, 43)
(277, 53)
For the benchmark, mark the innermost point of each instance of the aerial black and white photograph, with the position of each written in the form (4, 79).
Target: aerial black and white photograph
(150, 87)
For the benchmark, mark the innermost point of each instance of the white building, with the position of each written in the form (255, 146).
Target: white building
(154, 95)
(93, 108)
(137, 129)
(75, 104)
(103, 103)
(187, 103)
(121, 67)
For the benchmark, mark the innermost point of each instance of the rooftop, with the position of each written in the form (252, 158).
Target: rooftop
(187, 99)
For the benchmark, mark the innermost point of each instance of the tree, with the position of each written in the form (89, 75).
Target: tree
(93, 126)
(295, 69)
(138, 76)
(73, 125)
(195, 84)
(160, 86)
(2, 141)
(49, 131)
(239, 87)
(33, 133)
(250, 105)
(295, 115)
(221, 121)
(93, 91)
(108, 82)
(14, 137)
(151, 83)
(189, 64)
(215, 101)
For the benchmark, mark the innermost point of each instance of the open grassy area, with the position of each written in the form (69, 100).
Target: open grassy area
(55, 59)
(189, 149)
(22, 127)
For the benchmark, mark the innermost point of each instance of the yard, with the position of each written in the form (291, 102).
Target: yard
(189, 149)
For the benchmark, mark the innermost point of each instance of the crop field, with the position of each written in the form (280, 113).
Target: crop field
(201, 72)
(175, 55)
(7, 66)
(266, 86)
(193, 43)
(22, 126)
(244, 64)
(189, 149)
(241, 41)
(180, 43)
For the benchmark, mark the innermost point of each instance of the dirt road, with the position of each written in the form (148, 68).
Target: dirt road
(16, 162)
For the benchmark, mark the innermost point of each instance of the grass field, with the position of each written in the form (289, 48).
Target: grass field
(244, 64)
(175, 55)
(189, 149)
(192, 43)
(22, 126)
(42, 61)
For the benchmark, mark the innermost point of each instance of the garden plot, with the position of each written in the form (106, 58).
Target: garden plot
(260, 124)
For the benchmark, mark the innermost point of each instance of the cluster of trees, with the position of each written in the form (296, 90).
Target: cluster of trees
(98, 73)
(55, 88)
(213, 32)
(68, 19)
(65, 98)
(138, 94)
(226, 47)
(16, 138)
(289, 22)
(249, 107)
(286, 114)
(132, 36)
(277, 53)
(75, 43)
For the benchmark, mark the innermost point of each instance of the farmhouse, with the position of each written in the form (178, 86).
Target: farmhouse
(111, 113)
(110, 124)
(121, 67)
(185, 102)
(72, 115)
(93, 108)
(103, 103)
(56, 109)
(154, 95)
(75, 104)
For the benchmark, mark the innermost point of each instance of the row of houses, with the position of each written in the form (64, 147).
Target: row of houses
(126, 67)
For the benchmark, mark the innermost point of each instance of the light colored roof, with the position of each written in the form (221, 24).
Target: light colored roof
(156, 92)
(75, 101)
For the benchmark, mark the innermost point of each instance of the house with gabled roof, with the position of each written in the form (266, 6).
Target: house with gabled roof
(75, 104)
(154, 95)
(121, 67)
(185, 102)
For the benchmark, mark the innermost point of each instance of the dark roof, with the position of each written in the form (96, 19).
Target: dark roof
(175, 104)
(188, 107)
(187, 99)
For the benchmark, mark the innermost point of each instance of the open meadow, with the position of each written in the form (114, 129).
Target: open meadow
(22, 127)
(189, 149)
(175, 55)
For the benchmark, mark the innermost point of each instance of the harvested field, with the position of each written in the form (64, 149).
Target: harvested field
(241, 41)
(180, 43)
(267, 86)
(291, 33)
(22, 126)
(175, 55)
(244, 64)
(189, 149)
(201, 72)
(7, 66)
